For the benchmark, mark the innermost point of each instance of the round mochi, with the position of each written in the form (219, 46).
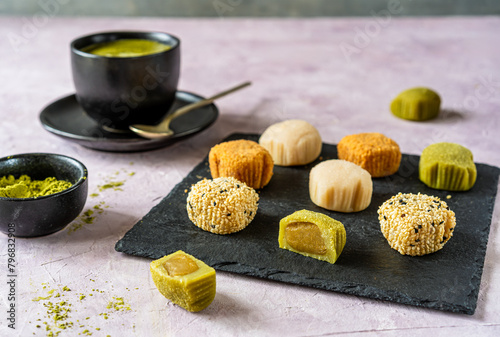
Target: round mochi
(416, 224)
(341, 186)
(447, 166)
(242, 159)
(222, 205)
(292, 142)
(376, 153)
(416, 104)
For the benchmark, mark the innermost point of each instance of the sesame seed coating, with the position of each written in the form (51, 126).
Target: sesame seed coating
(416, 224)
(222, 205)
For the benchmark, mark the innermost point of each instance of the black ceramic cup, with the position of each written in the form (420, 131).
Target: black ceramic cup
(30, 217)
(121, 91)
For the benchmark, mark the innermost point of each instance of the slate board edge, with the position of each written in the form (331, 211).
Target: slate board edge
(344, 288)
(481, 251)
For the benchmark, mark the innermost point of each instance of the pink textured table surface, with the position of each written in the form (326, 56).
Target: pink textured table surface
(339, 74)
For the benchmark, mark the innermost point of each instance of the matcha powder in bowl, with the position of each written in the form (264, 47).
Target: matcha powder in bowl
(25, 187)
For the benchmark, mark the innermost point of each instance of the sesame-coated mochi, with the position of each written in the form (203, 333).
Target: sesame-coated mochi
(222, 206)
(416, 224)
(339, 185)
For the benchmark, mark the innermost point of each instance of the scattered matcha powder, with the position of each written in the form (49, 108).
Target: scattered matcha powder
(115, 185)
(49, 295)
(118, 304)
(58, 313)
(89, 215)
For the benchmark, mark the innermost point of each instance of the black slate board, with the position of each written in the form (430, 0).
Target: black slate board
(447, 280)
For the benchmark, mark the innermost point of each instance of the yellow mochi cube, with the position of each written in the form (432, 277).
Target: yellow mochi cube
(184, 280)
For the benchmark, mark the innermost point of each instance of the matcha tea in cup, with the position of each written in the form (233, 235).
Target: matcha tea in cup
(126, 48)
(125, 78)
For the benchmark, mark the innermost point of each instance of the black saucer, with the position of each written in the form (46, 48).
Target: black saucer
(65, 118)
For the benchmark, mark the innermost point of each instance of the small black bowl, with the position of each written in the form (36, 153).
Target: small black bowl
(29, 217)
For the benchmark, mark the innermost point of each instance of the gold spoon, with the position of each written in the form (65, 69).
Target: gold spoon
(162, 130)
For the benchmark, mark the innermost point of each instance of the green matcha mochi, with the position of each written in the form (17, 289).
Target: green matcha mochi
(447, 166)
(416, 104)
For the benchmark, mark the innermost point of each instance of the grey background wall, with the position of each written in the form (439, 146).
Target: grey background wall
(255, 8)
